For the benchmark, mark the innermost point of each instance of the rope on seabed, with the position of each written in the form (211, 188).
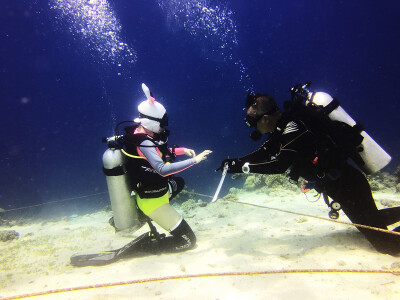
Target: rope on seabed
(244, 203)
(205, 275)
(305, 215)
(51, 202)
(177, 277)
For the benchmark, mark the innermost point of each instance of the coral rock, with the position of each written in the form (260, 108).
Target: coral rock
(8, 235)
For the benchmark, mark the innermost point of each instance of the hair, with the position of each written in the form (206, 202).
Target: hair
(266, 104)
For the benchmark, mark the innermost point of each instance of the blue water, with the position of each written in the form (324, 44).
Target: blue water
(62, 89)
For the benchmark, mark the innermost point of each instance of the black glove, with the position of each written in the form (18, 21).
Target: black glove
(234, 165)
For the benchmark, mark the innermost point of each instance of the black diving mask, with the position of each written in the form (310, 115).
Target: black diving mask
(163, 135)
(163, 121)
(251, 121)
(251, 100)
(256, 135)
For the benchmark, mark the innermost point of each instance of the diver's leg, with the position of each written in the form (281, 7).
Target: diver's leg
(390, 215)
(353, 193)
(165, 216)
(160, 211)
(183, 237)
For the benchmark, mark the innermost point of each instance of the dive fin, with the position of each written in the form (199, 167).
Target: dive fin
(108, 257)
(98, 259)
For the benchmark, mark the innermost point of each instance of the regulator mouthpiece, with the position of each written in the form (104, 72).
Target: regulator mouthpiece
(256, 135)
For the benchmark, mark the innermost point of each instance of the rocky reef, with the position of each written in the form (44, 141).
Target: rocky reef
(185, 195)
(379, 182)
(265, 183)
(8, 235)
(384, 181)
(397, 175)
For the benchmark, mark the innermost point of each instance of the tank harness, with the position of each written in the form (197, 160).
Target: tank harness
(335, 143)
(150, 187)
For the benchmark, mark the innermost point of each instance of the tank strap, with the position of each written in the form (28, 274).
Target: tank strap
(331, 106)
(358, 127)
(117, 171)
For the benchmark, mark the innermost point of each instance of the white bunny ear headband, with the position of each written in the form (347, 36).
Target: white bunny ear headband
(151, 112)
(146, 91)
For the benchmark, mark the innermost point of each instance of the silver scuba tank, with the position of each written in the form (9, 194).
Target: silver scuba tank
(123, 204)
(374, 157)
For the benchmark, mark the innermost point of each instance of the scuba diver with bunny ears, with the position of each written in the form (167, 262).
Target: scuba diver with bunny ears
(153, 177)
(140, 171)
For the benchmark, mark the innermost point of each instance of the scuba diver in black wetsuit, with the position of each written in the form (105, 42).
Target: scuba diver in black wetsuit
(294, 144)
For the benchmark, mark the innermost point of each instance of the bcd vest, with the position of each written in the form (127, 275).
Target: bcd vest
(143, 177)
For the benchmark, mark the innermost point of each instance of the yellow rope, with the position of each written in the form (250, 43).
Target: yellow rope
(305, 215)
(316, 217)
(205, 275)
(244, 203)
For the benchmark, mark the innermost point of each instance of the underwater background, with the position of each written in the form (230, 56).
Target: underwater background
(70, 70)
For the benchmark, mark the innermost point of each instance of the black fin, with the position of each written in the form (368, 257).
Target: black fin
(108, 257)
(98, 259)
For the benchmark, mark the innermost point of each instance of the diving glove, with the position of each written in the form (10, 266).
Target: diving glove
(234, 165)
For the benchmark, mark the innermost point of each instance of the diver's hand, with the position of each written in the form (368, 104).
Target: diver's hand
(190, 152)
(234, 165)
(202, 156)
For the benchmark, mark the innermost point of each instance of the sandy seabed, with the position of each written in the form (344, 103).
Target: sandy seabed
(235, 240)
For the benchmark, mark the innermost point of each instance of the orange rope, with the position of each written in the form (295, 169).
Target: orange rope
(206, 275)
(177, 277)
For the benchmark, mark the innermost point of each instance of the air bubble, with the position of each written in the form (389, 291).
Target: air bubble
(211, 26)
(95, 22)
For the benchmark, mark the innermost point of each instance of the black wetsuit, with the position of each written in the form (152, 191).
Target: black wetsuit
(293, 144)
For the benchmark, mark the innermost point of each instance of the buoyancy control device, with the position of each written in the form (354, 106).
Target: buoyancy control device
(366, 153)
